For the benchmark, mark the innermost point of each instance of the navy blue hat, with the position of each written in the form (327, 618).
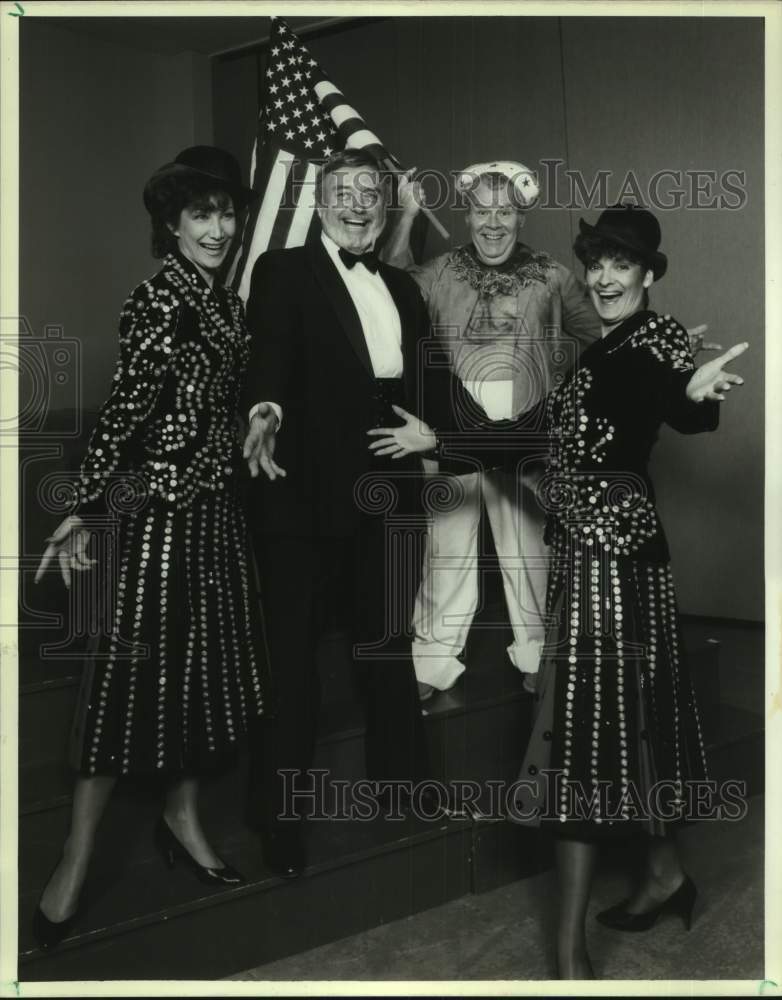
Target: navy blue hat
(630, 228)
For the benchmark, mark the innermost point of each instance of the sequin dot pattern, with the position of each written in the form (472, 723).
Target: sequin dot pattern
(180, 670)
(616, 713)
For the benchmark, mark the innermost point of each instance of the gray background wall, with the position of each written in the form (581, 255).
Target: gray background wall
(619, 94)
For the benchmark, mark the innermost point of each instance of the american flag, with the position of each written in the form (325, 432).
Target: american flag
(304, 120)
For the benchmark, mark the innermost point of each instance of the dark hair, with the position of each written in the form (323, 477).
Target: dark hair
(348, 158)
(496, 181)
(590, 249)
(172, 195)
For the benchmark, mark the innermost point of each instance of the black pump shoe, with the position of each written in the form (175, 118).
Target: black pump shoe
(171, 849)
(680, 903)
(49, 933)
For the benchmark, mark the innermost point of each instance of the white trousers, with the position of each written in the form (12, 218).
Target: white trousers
(448, 595)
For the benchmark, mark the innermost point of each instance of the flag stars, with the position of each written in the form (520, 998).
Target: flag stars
(285, 81)
(297, 75)
(308, 143)
(302, 127)
(276, 50)
(327, 150)
(292, 60)
(278, 103)
(309, 106)
(304, 91)
(280, 66)
(320, 136)
(290, 134)
(273, 89)
(297, 112)
(312, 62)
(284, 119)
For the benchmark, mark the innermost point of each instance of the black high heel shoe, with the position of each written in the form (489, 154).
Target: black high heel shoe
(681, 903)
(49, 933)
(171, 849)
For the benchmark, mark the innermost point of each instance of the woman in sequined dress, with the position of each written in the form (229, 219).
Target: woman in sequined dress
(616, 742)
(171, 687)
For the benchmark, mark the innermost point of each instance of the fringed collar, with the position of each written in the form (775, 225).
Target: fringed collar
(522, 268)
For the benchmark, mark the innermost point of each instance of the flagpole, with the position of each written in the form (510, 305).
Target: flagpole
(324, 25)
(394, 169)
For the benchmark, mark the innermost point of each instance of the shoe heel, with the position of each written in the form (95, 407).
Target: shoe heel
(686, 902)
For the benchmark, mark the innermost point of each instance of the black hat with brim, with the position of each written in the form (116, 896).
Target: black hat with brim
(206, 163)
(630, 228)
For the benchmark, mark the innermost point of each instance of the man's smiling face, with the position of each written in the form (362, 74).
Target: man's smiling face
(494, 223)
(352, 209)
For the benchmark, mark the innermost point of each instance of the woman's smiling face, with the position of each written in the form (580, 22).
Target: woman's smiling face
(205, 231)
(616, 288)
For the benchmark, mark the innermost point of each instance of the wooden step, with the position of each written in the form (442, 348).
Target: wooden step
(142, 919)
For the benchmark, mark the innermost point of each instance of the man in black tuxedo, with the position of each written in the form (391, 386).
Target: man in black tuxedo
(335, 345)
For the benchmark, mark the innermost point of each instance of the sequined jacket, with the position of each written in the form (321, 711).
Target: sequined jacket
(169, 425)
(603, 422)
(524, 320)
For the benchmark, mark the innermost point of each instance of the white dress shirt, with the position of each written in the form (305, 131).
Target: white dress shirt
(376, 310)
(377, 313)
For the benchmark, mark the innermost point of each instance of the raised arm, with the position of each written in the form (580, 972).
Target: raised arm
(685, 397)
(410, 198)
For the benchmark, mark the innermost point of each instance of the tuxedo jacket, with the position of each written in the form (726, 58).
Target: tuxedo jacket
(309, 354)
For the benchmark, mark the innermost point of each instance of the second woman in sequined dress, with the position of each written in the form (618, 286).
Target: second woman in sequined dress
(616, 742)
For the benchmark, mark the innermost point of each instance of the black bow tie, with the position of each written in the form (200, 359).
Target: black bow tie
(368, 259)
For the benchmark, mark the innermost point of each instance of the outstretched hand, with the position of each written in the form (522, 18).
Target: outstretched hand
(69, 543)
(711, 381)
(260, 443)
(413, 436)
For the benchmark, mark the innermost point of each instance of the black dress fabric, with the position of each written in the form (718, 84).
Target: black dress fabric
(616, 741)
(179, 669)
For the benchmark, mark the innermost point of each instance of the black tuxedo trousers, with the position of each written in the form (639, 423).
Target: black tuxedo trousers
(371, 576)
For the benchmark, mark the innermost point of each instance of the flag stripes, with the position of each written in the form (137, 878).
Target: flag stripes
(304, 120)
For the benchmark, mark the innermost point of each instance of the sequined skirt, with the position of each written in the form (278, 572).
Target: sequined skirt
(616, 742)
(180, 668)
